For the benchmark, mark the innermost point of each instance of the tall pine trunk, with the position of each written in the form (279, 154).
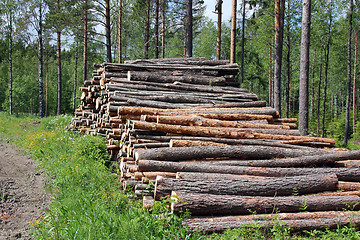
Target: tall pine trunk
(189, 29)
(157, 7)
(288, 67)
(304, 69)
(233, 32)
(59, 79)
(147, 30)
(319, 93)
(163, 29)
(327, 53)
(108, 31)
(270, 74)
(75, 77)
(218, 38)
(354, 83)
(85, 41)
(348, 84)
(11, 63)
(242, 44)
(41, 64)
(120, 32)
(279, 27)
(312, 106)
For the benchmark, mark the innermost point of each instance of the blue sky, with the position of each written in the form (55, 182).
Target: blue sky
(210, 7)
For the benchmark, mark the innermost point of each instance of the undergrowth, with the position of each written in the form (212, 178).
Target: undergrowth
(88, 202)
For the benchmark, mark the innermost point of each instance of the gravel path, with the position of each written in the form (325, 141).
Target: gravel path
(22, 195)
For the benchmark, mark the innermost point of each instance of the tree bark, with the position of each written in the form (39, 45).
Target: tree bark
(165, 77)
(75, 77)
(193, 120)
(163, 29)
(242, 43)
(59, 76)
(218, 38)
(85, 60)
(232, 152)
(120, 33)
(344, 174)
(348, 85)
(108, 31)
(147, 30)
(189, 29)
(233, 32)
(354, 83)
(302, 161)
(208, 204)
(319, 92)
(279, 32)
(11, 62)
(156, 29)
(288, 66)
(283, 186)
(41, 63)
(312, 221)
(224, 133)
(304, 69)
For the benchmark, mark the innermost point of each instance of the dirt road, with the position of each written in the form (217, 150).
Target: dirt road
(22, 195)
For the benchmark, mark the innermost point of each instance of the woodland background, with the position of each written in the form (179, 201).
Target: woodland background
(48, 47)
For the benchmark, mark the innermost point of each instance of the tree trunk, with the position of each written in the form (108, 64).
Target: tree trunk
(157, 7)
(218, 38)
(288, 67)
(348, 84)
(223, 132)
(312, 106)
(301, 161)
(319, 92)
(354, 83)
(189, 29)
(47, 84)
(295, 221)
(283, 186)
(242, 43)
(344, 174)
(75, 77)
(163, 29)
(147, 30)
(85, 41)
(41, 64)
(233, 32)
(206, 122)
(232, 152)
(11, 63)
(304, 69)
(270, 76)
(120, 33)
(108, 31)
(327, 53)
(59, 80)
(279, 31)
(209, 204)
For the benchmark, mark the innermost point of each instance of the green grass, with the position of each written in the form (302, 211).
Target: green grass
(88, 202)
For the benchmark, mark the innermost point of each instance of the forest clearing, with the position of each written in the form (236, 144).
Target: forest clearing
(243, 129)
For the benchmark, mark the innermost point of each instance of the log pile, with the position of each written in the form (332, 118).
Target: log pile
(182, 128)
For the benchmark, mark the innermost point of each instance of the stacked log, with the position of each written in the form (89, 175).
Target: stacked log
(183, 129)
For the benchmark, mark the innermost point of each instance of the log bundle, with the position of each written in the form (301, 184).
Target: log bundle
(184, 129)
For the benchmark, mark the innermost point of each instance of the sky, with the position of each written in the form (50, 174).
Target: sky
(210, 7)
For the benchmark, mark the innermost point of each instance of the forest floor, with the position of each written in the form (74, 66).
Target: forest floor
(23, 199)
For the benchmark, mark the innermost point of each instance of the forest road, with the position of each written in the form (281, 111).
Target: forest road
(23, 199)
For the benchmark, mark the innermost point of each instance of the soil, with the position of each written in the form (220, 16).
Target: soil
(22, 192)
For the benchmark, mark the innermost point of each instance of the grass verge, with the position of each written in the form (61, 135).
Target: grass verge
(88, 202)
